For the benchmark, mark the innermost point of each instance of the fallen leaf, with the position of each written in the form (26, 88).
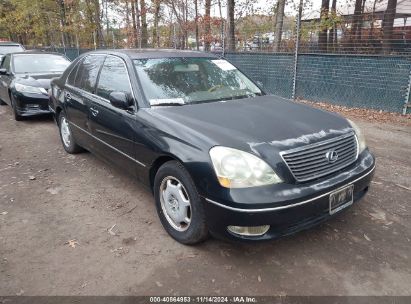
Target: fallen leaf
(72, 243)
(4, 213)
(111, 230)
(159, 284)
(31, 177)
(20, 293)
(367, 238)
(259, 279)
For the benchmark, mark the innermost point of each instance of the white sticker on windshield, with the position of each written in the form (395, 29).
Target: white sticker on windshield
(165, 101)
(224, 65)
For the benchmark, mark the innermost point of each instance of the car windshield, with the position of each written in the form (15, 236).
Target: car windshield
(178, 81)
(5, 49)
(39, 63)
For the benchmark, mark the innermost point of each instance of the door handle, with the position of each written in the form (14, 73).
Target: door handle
(94, 112)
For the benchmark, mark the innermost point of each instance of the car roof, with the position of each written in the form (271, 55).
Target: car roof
(36, 52)
(154, 53)
(9, 43)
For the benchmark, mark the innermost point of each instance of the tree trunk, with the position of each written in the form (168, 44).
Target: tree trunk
(97, 22)
(196, 23)
(207, 26)
(332, 38)
(230, 25)
(138, 25)
(322, 37)
(133, 18)
(63, 21)
(128, 24)
(156, 36)
(388, 24)
(279, 25)
(356, 24)
(144, 32)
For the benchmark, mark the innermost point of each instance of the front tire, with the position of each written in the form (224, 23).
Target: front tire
(16, 115)
(66, 136)
(179, 205)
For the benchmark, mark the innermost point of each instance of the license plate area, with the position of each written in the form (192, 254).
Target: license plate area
(341, 199)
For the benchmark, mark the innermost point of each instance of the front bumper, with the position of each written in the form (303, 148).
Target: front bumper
(31, 104)
(289, 216)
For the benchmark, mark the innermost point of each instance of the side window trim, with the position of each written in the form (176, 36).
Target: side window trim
(128, 77)
(75, 68)
(8, 68)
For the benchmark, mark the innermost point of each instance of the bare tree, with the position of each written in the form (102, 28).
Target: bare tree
(357, 23)
(323, 35)
(388, 24)
(279, 25)
(156, 36)
(207, 25)
(230, 25)
(332, 38)
(196, 23)
(144, 31)
(133, 17)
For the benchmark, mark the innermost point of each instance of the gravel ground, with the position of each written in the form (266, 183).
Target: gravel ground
(56, 212)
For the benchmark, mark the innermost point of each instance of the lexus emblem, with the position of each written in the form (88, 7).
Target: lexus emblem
(331, 156)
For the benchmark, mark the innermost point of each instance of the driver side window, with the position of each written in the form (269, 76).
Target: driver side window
(113, 78)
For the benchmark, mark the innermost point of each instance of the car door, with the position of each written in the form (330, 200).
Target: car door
(113, 127)
(5, 79)
(78, 93)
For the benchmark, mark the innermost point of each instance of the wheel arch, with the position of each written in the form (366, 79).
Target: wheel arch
(59, 109)
(158, 162)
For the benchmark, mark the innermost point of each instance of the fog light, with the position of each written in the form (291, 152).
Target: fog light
(249, 231)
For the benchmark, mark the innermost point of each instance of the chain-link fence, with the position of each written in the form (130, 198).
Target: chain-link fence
(345, 55)
(355, 53)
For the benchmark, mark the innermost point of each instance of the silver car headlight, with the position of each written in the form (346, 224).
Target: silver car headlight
(360, 137)
(22, 88)
(239, 169)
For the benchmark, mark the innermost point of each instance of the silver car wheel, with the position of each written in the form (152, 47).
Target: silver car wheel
(175, 203)
(65, 132)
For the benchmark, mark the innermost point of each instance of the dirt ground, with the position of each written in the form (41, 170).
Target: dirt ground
(48, 198)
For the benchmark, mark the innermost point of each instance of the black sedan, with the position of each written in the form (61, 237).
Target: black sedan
(220, 155)
(25, 80)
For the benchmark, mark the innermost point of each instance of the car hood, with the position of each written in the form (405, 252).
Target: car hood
(36, 80)
(260, 125)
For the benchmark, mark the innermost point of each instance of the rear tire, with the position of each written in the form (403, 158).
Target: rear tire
(66, 136)
(179, 205)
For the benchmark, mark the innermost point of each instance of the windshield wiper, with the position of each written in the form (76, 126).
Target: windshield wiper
(165, 104)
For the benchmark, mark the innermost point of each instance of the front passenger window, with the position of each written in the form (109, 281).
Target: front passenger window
(113, 78)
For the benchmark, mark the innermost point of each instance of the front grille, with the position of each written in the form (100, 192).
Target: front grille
(311, 161)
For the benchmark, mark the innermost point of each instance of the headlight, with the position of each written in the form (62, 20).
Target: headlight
(238, 169)
(360, 137)
(22, 88)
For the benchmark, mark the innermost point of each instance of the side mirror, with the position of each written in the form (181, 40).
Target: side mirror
(119, 100)
(3, 72)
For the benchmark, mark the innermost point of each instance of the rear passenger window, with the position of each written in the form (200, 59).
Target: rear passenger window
(88, 71)
(113, 78)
